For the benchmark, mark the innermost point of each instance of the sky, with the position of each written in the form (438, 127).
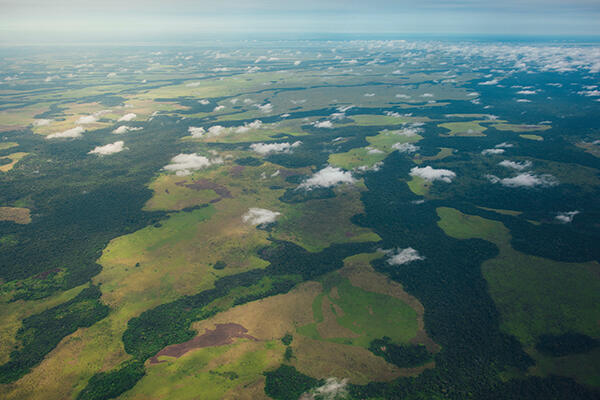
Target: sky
(134, 20)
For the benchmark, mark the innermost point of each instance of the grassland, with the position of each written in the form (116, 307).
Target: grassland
(7, 145)
(521, 127)
(470, 128)
(15, 214)
(532, 137)
(14, 159)
(380, 147)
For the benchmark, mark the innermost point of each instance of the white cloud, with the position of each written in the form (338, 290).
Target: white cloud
(216, 130)
(567, 216)
(527, 92)
(431, 174)
(87, 119)
(374, 151)
(332, 389)
(525, 180)
(265, 108)
(590, 93)
(369, 94)
(267, 148)
(523, 101)
(405, 147)
(327, 177)
(125, 129)
(184, 164)
(515, 165)
(204, 102)
(492, 151)
(490, 82)
(427, 95)
(323, 124)
(504, 145)
(196, 131)
(402, 96)
(127, 117)
(107, 149)
(400, 256)
(260, 216)
(256, 124)
(193, 84)
(42, 122)
(218, 108)
(408, 132)
(69, 133)
(111, 75)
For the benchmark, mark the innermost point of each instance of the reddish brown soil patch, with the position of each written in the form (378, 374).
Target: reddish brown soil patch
(221, 335)
(236, 171)
(45, 274)
(204, 184)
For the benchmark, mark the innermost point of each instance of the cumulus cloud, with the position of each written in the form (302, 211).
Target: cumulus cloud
(87, 119)
(69, 133)
(268, 148)
(204, 102)
(408, 132)
(405, 147)
(323, 124)
(504, 145)
(184, 164)
(489, 83)
(526, 180)
(432, 174)
(492, 151)
(260, 216)
(127, 117)
(527, 92)
(332, 389)
(42, 122)
(400, 256)
(196, 132)
(110, 148)
(566, 216)
(124, 129)
(256, 124)
(218, 108)
(265, 108)
(515, 165)
(327, 177)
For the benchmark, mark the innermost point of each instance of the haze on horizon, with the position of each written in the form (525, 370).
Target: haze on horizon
(147, 20)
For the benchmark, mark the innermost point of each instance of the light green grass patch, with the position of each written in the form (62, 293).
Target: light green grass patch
(7, 145)
(521, 127)
(470, 128)
(532, 137)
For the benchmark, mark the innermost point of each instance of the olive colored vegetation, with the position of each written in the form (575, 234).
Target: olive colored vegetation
(40, 333)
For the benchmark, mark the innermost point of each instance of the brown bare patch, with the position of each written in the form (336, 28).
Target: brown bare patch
(15, 214)
(204, 184)
(236, 171)
(221, 335)
(45, 274)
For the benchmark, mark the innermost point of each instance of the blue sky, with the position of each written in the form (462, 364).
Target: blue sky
(135, 19)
